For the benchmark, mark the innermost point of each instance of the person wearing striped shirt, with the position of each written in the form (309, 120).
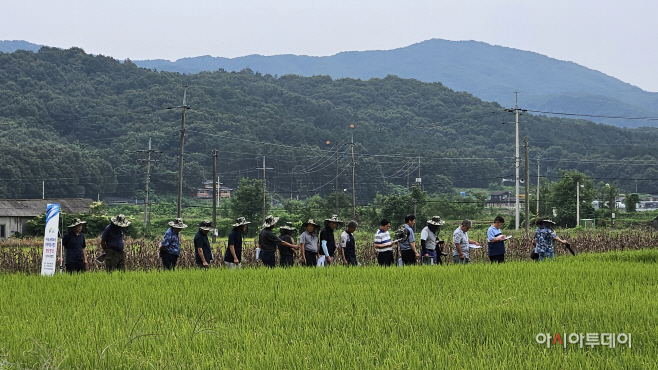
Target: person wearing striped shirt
(384, 244)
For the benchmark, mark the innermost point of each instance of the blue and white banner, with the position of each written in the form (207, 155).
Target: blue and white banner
(50, 238)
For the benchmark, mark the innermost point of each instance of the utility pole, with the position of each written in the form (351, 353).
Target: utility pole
(578, 203)
(418, 180)
(264, 168)
(353, 185)
(215, 195)
(336, 186)
(612, 208)
(182, 144)
(527, 189)
(415, 206)
(148, 161)
(219, 192)
(336, 179)
(408, 180)
(290, 183)
(516, 206)
(517, 165)
(537, 187)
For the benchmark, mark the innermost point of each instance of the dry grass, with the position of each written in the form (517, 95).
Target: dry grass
(24, 255)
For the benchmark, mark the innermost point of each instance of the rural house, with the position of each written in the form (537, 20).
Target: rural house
(14, 213)
(206, 192)
(502, 199)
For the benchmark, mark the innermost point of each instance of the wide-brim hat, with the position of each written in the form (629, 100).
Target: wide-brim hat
(205, 225)
(240, 221)
(270, 221)
(76, 222)
(177, 223)
(545, 221)
(288, 226)
(310, 222)
(436, 220)
(120, 221)
(334, 218)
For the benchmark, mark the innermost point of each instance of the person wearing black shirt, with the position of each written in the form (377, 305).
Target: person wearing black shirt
(112, 244)
(233, 255)
(268, 242)
(287, 248)
(202, 249)
(76, 248)
(348, 245)
(327, 239)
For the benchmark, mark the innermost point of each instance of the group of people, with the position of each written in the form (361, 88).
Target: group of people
(316, 246)
(75, 244)
(319, 248)
(431, 247)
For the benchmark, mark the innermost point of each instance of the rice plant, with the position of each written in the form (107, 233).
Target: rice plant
(477, 316)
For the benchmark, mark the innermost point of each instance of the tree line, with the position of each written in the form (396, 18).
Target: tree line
(77, 121)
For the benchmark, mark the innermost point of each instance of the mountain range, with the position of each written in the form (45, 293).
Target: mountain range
(491, 73)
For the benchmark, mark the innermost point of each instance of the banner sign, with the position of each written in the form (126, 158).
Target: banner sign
(50, 238)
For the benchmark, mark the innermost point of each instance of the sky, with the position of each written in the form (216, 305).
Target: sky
(614, 37)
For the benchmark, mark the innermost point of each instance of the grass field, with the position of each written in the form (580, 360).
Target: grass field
(477, 316)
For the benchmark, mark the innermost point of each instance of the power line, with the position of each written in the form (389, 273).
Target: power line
(593, 115)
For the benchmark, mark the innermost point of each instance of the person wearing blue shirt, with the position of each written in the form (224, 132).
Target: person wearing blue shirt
(496, 239)
(408, 247)
(544, 236)
(112, 244)
(170, 246)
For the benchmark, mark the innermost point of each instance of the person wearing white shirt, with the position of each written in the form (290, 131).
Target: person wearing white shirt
(384, 244)
(461, 253)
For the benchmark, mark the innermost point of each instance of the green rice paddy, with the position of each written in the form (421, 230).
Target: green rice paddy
(477, 316)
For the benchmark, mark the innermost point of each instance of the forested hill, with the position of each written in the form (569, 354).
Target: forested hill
(489, 72)
(78, 120)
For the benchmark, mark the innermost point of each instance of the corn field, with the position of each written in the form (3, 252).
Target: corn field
(24, 255)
